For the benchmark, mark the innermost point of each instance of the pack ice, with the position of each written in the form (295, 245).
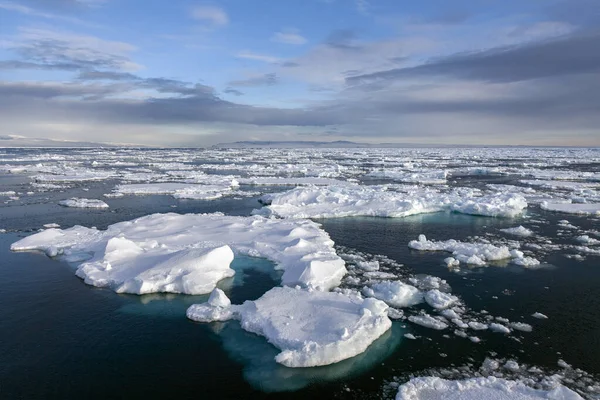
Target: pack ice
(432, 388)
(191, 253)
(311, 328)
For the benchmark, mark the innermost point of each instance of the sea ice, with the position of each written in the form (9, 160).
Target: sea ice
(432, 388)
(473, 253)
(83, 203)
(518, 231)
(569, 208)
(159, 252)
(440, 300)
(395, 293)
(379, 201)
(311, 328)
(428, 321)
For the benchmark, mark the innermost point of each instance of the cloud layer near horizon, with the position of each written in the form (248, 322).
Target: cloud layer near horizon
(535, 82)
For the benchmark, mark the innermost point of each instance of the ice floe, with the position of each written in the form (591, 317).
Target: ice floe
(473, 253)
(311, 328)
(379, 201)
(161, 252)
(570, 208)
(83, 203)
(432, 388)
(518, 231)
(395, 293)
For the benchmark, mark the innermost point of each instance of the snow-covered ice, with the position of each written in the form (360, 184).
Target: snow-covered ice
(518, 231)
(311, 328)
(570, 208)
(83, 203)
(160, 252)
(492, 388)
(379, 201)
(395, 293)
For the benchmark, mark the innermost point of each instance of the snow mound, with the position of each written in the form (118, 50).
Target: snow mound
(395, 293)
(311, 328)
(83, 203)
(379, 201)
(492, 388)
(162, 252)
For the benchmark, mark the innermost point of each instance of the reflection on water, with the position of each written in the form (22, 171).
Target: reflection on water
(263, 373)
(253, 277)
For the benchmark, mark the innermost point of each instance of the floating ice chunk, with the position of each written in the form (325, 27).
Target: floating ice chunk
(440, 300)
(539, 315)
(410, 336)
(498, 205)
(451, 262)
(178, 190)
(518, 231)
(428, 322)
(299, 247)
(83, 203)
(585, 209)
(395, 293)
(473, 253)
(52, 225)
(218, 308)
(298, 181)
(379, 201)
(313, 328)
(585, 239)
(499, 328)
(433, 388)
(478, 326)
(521, 326)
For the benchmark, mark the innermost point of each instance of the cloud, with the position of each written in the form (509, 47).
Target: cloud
(51, 50)
(260, 80)
(31, 12)
(248, 55)
(233, 91)
(289, 37)
(216, 16)
(566, 55)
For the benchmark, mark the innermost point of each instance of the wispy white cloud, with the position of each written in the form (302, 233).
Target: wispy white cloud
(290, 36)
(32, 12)
(215, 16)
(248, 55)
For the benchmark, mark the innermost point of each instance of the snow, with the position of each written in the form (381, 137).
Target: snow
(216, 309)
(518, 231)
(428, 322)
(440, 300)
(395, 293)
(472, 253)
(149, 254)
(381, 201)
(492, 388)
(311, 328)
(569, 208)
(83, 203)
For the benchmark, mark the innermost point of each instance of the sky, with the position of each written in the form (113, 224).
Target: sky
(197, 73)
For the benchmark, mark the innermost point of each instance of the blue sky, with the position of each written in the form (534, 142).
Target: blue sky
(198, 73)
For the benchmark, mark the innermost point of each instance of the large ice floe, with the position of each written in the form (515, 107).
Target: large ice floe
(178, 190)
(311, 328)
(379, 201)
(190, 253)
(472, 253)
(490, 388)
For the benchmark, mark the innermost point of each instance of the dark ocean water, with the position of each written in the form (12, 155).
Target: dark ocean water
(62, 339)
